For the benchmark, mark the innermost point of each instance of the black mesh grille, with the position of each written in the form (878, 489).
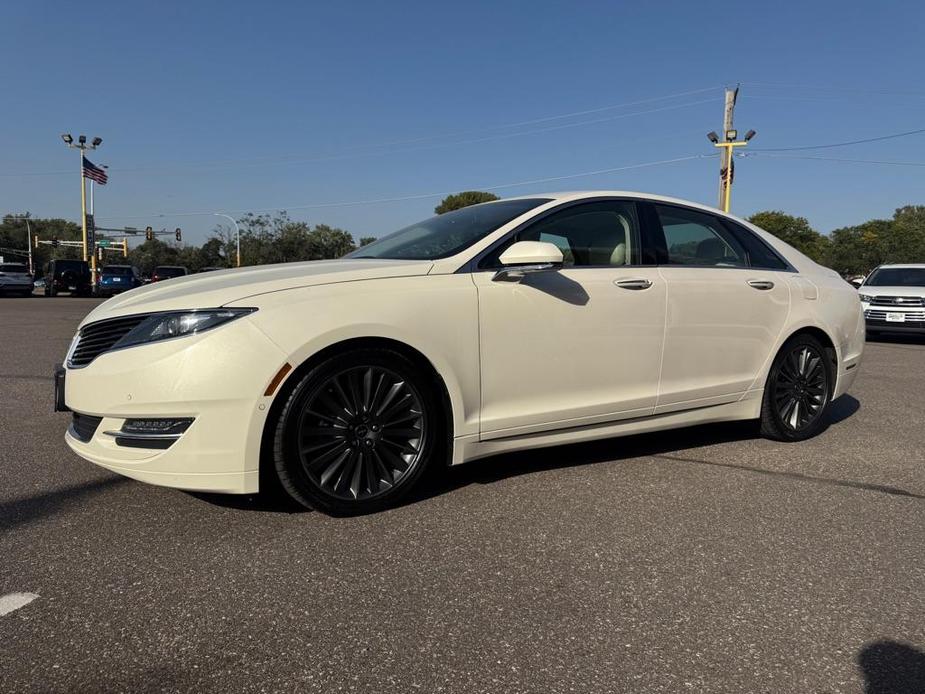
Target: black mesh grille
(84, 426)
(96, 338)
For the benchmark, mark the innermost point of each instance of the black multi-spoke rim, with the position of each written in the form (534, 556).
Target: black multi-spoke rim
(801, 389)
(361, 432)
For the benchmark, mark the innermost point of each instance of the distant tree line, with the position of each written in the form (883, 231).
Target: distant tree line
(264, 239)
(852, 250)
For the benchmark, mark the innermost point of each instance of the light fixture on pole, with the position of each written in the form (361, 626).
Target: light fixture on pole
(729, 144)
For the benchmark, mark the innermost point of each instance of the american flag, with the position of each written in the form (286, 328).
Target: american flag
(94, 172)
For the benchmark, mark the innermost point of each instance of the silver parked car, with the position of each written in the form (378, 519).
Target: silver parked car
(15, 279)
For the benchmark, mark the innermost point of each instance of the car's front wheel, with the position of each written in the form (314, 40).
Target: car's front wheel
(357, 432)
(798, 391)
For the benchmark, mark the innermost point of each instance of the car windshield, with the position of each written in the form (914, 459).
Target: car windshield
(62, 265)
(120, 270)
(447, 234)
(11, 267)
(897, 277)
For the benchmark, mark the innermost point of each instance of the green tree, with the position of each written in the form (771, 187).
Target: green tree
(464, 199)
(366, 240)
(796, 231)
(858, 249)
(906, 242)
(152, 253)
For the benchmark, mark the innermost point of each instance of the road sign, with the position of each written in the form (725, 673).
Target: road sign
(103, 243)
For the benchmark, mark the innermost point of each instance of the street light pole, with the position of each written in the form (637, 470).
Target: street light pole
(237, 233)
(82, 146)
(29, 240)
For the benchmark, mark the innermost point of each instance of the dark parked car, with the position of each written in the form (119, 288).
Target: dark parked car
(166, 272)
(117, 278)
(68, 276)
(15, 279)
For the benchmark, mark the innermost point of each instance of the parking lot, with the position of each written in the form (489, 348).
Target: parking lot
(703, 560)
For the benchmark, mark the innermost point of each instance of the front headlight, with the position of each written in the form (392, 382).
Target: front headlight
(163, 326)
(865, 298)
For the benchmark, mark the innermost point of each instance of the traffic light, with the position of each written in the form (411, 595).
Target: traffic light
(178, 234)
(149, 234)
(54, 241)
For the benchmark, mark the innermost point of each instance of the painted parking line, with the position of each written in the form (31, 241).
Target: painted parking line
(13, 601)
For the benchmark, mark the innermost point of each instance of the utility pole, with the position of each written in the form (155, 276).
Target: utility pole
(725, 156)
(727, 146)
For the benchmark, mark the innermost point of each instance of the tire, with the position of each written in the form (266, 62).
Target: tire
(798, 391)
(337, 446)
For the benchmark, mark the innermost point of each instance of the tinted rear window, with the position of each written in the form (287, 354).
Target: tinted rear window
(13, 267)
(78, 265)
(120, 271)
(169, 271)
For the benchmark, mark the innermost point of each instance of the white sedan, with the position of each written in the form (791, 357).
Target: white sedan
(509, 325)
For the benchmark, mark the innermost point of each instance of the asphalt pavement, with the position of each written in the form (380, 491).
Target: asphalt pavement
(701, 560)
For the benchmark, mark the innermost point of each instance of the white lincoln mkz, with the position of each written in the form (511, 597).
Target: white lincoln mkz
(509, 325)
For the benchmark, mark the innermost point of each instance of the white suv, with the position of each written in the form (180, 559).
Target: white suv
(893, 299)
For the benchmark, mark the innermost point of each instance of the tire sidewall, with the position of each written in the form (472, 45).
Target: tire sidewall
(289, 470)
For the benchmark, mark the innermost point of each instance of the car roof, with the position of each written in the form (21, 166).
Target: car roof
(902, 266)
(106, 267)
(173, 267)
(569, 196)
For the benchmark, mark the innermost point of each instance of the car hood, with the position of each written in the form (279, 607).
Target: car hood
(211, 289)
(892, 291)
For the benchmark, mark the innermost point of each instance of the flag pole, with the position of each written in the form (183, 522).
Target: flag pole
(83, 204)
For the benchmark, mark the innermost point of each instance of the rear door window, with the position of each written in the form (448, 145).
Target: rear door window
(698, 239)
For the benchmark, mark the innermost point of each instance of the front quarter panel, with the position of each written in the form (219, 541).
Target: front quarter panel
(437, 315)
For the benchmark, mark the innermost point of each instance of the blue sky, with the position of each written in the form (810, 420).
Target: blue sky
(234, 106)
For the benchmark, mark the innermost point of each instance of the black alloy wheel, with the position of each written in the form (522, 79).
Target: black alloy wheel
(356, 433)
(798, 391)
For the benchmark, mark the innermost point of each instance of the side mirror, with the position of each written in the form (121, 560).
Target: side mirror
(526, 257)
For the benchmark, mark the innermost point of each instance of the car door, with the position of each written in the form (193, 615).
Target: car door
(725, 309)
(579, 345)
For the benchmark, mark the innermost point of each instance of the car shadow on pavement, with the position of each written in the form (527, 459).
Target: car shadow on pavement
(499, 467)
(656, 444)
(897, 339)
(891, 667)
(26, 509)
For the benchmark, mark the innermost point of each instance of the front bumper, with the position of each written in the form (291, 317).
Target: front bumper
(216, 378)
(906, 326)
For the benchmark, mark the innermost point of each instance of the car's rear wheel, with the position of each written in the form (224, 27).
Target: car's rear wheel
(798, 391)
(357, 432)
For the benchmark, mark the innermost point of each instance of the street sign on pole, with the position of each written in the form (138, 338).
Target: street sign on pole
(103, 243)
(91, 234)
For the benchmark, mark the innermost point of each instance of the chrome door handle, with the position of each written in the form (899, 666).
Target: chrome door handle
(633, 284)
(761, 284)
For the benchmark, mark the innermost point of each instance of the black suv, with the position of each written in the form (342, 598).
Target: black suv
(68, 276)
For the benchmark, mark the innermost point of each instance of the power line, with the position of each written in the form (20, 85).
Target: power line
(842, 144)
(830, 88)
(231, 163)
(835, 159)
(420, 196)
